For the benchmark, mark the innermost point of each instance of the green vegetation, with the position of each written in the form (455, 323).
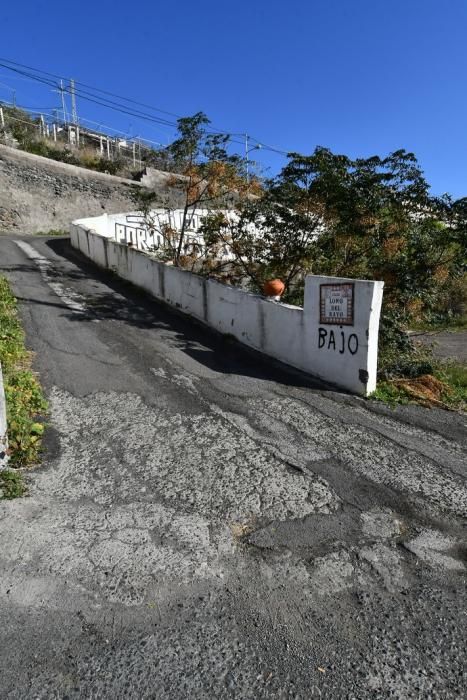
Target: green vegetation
(11, 484)
(52, 232)
(445, 322)
(365, 218)
(445, 386)
(211, 179)
(28, 134)
(328, 214)
(390, 393)
(24, 397)
(454, 375)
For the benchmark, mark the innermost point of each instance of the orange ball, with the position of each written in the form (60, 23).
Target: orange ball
(273, 288)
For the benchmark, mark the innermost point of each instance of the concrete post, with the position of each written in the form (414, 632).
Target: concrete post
(3, 426)
(342, 322)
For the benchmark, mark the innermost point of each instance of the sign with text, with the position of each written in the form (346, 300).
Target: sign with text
(336, 304)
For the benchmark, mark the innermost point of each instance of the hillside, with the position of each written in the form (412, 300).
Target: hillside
(40, 194)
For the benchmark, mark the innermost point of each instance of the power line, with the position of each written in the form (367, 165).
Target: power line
(110, 104)
(104, 92)
(111, 94)
(115, 106)
(90, 97)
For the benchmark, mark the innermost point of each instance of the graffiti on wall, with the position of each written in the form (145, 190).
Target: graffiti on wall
(135, 231)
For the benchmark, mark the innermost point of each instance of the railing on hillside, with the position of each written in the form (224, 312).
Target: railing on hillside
(79, 138)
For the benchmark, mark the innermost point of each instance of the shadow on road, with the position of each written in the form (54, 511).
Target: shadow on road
(134, 307)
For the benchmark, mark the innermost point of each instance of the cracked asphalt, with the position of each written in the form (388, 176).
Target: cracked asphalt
(206, 524)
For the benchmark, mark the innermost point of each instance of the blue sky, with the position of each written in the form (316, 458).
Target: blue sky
(359, 76)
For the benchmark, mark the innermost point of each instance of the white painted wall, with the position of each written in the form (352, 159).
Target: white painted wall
(342, 355)
(130, 227)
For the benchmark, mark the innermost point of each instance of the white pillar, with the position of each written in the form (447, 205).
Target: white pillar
(3, 426)
(341, 320)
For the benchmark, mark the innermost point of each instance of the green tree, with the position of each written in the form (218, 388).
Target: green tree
(21, 126)
(208, 177)
(369, 218)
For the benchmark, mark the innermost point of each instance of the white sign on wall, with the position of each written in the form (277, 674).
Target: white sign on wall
(336, 304)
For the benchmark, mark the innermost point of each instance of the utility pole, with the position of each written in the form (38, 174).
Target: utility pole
(74, 112)
(247, 151)
(62, 93)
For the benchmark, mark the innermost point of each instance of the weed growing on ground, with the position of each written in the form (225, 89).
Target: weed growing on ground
(52, 232)
(24, 398)
(445, 387)
(454, 375)
(11, 484)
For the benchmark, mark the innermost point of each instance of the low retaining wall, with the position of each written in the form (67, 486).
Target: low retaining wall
(3, 425)
(334, 337)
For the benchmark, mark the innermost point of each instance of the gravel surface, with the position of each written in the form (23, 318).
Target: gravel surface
(206, 524)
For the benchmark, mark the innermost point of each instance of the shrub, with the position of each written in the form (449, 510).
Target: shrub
(24, 398)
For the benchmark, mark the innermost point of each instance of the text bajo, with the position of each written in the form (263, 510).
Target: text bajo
(337, 341)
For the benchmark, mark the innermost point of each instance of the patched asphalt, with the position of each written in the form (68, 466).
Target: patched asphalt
(207, 524)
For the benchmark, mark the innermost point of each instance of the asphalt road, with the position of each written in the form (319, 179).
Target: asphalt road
(446, 345)
(208, 525)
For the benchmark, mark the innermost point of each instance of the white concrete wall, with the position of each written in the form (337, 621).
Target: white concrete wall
(344, 355)
(99, 224)
(3, 425)
(130, 227)
(348, 351)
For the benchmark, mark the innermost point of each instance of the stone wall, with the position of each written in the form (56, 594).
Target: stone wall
(40, 194)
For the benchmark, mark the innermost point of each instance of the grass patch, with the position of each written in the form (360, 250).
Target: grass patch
(24, 398)
(11, 484)
(453, 323)
(445, 388)
(389, 393)
(52, 232)
(454, 375)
